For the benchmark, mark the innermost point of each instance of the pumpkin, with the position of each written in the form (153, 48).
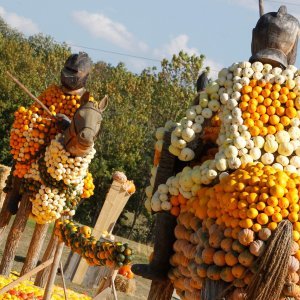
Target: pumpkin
(213, 272)
(215, 239)
(239, 283)
(238, 294)
(248, 277)
(228, 232)
(237, 246)
(203, 239)
(231, 258)
(119, 176)
(208, 254)
(246, 237)
(264, 234)
(226, 244)
(293, 264)
(219, 258)
(179, 232)
(129, 187)
(292, 278)
(257, 247)
(238, 271)
(291, 289)
(198, 256)
(294, 248)
(246, 258)
(195, 223)
(202, 270)
(226, 274)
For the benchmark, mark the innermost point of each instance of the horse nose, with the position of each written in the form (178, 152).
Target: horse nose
(86, 137)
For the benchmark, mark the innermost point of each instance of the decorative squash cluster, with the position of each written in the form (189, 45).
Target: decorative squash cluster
(33, 129)
(58, 182)
(27, 290)
(222, 231)
(96, 253)
(88, 187)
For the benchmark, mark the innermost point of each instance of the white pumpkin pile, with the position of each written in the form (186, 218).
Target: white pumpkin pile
(159, 134)
(235, 143)
(63, 167)
(190, 126)
(49, 204)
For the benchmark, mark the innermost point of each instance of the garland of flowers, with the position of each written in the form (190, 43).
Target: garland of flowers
(96, 253)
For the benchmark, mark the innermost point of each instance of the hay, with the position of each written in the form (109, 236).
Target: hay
(269, 279)
(125, 285)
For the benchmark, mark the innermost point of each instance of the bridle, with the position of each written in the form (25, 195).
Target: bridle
(73, 130)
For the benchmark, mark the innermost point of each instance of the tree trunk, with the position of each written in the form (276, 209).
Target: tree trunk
(42, 276)
(53, 271)
(161, 290)
(35, 247)
(14, 236)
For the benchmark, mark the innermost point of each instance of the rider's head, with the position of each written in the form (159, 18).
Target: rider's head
(275, 39)
(76, 71)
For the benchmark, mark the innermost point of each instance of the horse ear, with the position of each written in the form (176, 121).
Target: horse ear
(103, 104)
(84, 98)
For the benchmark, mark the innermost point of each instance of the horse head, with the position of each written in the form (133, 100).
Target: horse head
(79, 137)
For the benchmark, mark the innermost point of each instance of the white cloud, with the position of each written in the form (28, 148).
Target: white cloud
(177, 44)
(20, 23)
(101, 26)
(180, 43)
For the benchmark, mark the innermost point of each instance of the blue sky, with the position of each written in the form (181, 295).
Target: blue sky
(219, 29)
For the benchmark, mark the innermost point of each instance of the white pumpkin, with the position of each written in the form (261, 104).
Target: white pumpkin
(285, 149)
(283, 160)
(188, 134)
(270, 146)
(159, 134)
(163, 188)
(267, 158)
(173, 150)
(186, 154)
(166, 205)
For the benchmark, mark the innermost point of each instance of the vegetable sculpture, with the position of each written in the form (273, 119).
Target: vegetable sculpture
(231, 205)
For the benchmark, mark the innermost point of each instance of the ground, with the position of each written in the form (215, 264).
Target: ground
(142, 254)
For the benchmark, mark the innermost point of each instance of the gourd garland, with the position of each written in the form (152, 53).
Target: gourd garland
(96, 253)
(249, 186)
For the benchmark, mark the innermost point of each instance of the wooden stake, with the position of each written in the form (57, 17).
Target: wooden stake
(29, 93)
(26, 276)
(51, 279)
(261, 7)
(63, 280)
(35, 247)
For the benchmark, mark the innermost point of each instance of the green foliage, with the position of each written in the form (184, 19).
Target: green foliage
(138, 104)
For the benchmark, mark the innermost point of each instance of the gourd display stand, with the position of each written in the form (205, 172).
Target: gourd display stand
(236, 200)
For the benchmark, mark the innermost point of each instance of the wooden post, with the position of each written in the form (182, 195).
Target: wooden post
(4, 172)
(261, 7)
(14, 236)
(26, 276)
(5, 215)
(54, 267)
(35, 247)
(42, 276)
(115, 202)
